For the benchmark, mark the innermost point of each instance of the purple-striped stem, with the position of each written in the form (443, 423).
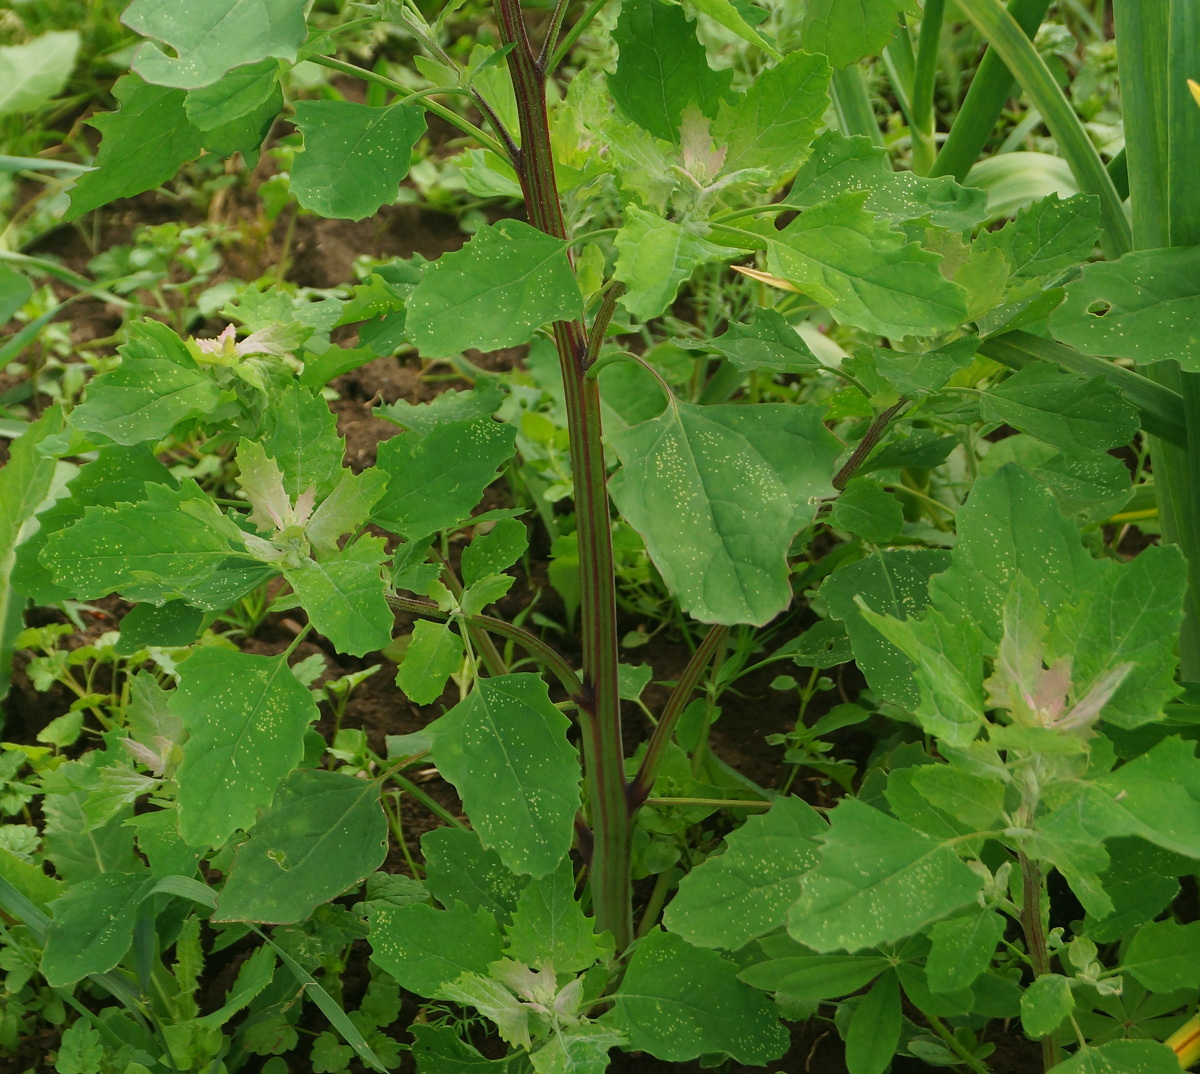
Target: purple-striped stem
(600, 705)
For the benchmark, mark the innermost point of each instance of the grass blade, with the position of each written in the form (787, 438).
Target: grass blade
(922, 92)
(852, 102)
(990, 88)
(1161, 408)
(1019, 55)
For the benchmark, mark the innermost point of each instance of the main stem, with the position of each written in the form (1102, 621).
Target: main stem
(600, 707)
(1032, 887)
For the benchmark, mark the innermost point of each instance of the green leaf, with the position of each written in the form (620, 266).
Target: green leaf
(895, 583)
(246, 133)
(1080, 416)
(911, 374)
(261, 481)
(1140, 881)
(729, 16)
(962, 949)
(15, 289)
(156, 386)
(80, 1050)
(772, 123)
(245, 717)
(823, 645)
(424, 948)
(508, 281)
(175, 623)
(209, 37)
(662, 69)
(494, 551)
(1155, 796)
(812, 977)
(435, 480)
(935, 202)
(768, 343)
(81, 850)
(324, 833)
(235, 94)
(479, 402)
(354, 155)
(549, 926)
(978, 801)
(486, 591)
(864, 271)
(346, 508)
(867, 510)
(1045, 1005)
(1048, 238)
(253, 976)
(25, 481)
(459, 869)
(173, 545)
(848, 30)
(438, 1049)
(874, 1029)
(581, 1049)
(921, 449)
(642, 163)
(92, 926)
(1144, 306)
(1089, 490)
(435, 652)
(116, 475)
(1129, 614)
(678, 1002)
(143, 145)
(1122, 1057)
(878, 881)
(746, 478)
(37, 71)
(949, 671)
(344, 596)
(1164, 956)
(505, 750)
(300, 434)
(729, 900)
(839, 164)
(656, 256)
(1011, 525)
(495, 1002)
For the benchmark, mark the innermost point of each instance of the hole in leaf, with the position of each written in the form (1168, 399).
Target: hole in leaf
(1099, 307)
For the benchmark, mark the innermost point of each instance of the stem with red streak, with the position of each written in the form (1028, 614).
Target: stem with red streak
(599, 710)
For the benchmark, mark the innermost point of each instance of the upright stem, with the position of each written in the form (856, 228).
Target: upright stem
(600, 708)
(1032, 882)
(923, 84)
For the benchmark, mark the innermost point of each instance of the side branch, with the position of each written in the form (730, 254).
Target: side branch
(534, 645)
(608, 307)
(639, 789)
(867, 444)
